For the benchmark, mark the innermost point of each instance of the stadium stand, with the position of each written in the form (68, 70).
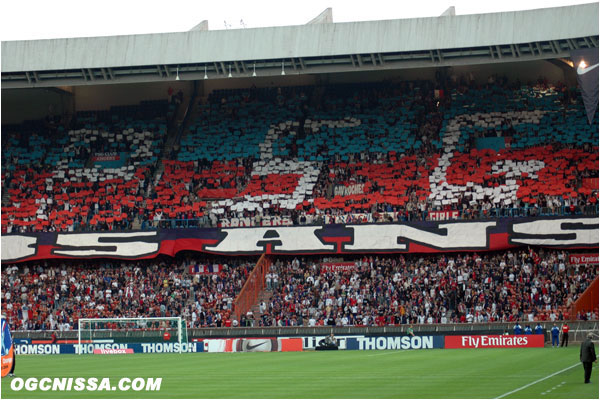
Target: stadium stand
(92, 177)
(367, 291)
(54, 295)
(344, 153)
(384, 131)
(392, 290)
(398, 152)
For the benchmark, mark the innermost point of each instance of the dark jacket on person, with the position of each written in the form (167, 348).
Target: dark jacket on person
(587, 352)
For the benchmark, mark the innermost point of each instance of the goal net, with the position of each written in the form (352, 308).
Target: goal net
(131, 330)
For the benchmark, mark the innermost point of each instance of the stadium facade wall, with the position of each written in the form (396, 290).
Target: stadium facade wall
(524, 71)
(35, 103)
(315, 40)
(411, 237)
(102, 97)
(32, 104)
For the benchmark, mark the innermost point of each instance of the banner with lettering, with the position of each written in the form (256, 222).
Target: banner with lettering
(443, 215)
(583, 258)
(108, 348)
(493, 341)
(409, 237)
(350, 189)
(338, 267)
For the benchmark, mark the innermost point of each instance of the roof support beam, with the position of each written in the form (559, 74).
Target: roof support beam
(223, 68)
(381, 60)
(359, 59)
(574, 43)
(569, 44)
(539, 47)
(557, 46)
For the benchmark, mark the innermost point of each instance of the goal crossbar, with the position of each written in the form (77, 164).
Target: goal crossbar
(82, 321)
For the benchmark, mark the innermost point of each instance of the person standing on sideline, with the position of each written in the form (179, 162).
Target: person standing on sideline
(555, 332)
(538, 329)
(528, 330)
(517, 329)
(587, 356)
(565, 335)
(410, 331)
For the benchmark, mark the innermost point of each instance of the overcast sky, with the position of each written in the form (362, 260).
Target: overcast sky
(47, 19)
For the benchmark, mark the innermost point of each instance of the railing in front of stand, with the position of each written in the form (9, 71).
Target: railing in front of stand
(253, 286)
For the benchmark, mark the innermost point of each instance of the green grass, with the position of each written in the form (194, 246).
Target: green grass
(473, 373)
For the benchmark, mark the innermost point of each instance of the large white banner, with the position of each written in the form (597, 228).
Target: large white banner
(410, 237)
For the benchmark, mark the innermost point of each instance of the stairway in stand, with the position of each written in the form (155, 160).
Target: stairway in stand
(254, 290)
(263, 295)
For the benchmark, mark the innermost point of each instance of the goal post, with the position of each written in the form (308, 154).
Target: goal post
(103, 330)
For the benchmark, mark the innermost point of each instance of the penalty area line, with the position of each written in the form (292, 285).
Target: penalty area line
(538, 381)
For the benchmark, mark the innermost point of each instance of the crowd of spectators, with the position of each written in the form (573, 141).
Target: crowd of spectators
(376, 146)
(91, 174)
(506, 286)
(425, 289)
(377, 173)
(54, 294)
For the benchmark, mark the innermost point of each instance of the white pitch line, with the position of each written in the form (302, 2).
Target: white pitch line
(555, 387)
(385, 354)
(539, 380)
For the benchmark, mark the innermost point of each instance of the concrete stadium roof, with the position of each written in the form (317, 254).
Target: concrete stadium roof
(312, 48)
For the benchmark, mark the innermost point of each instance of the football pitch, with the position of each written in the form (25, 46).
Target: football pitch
(490, 373)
